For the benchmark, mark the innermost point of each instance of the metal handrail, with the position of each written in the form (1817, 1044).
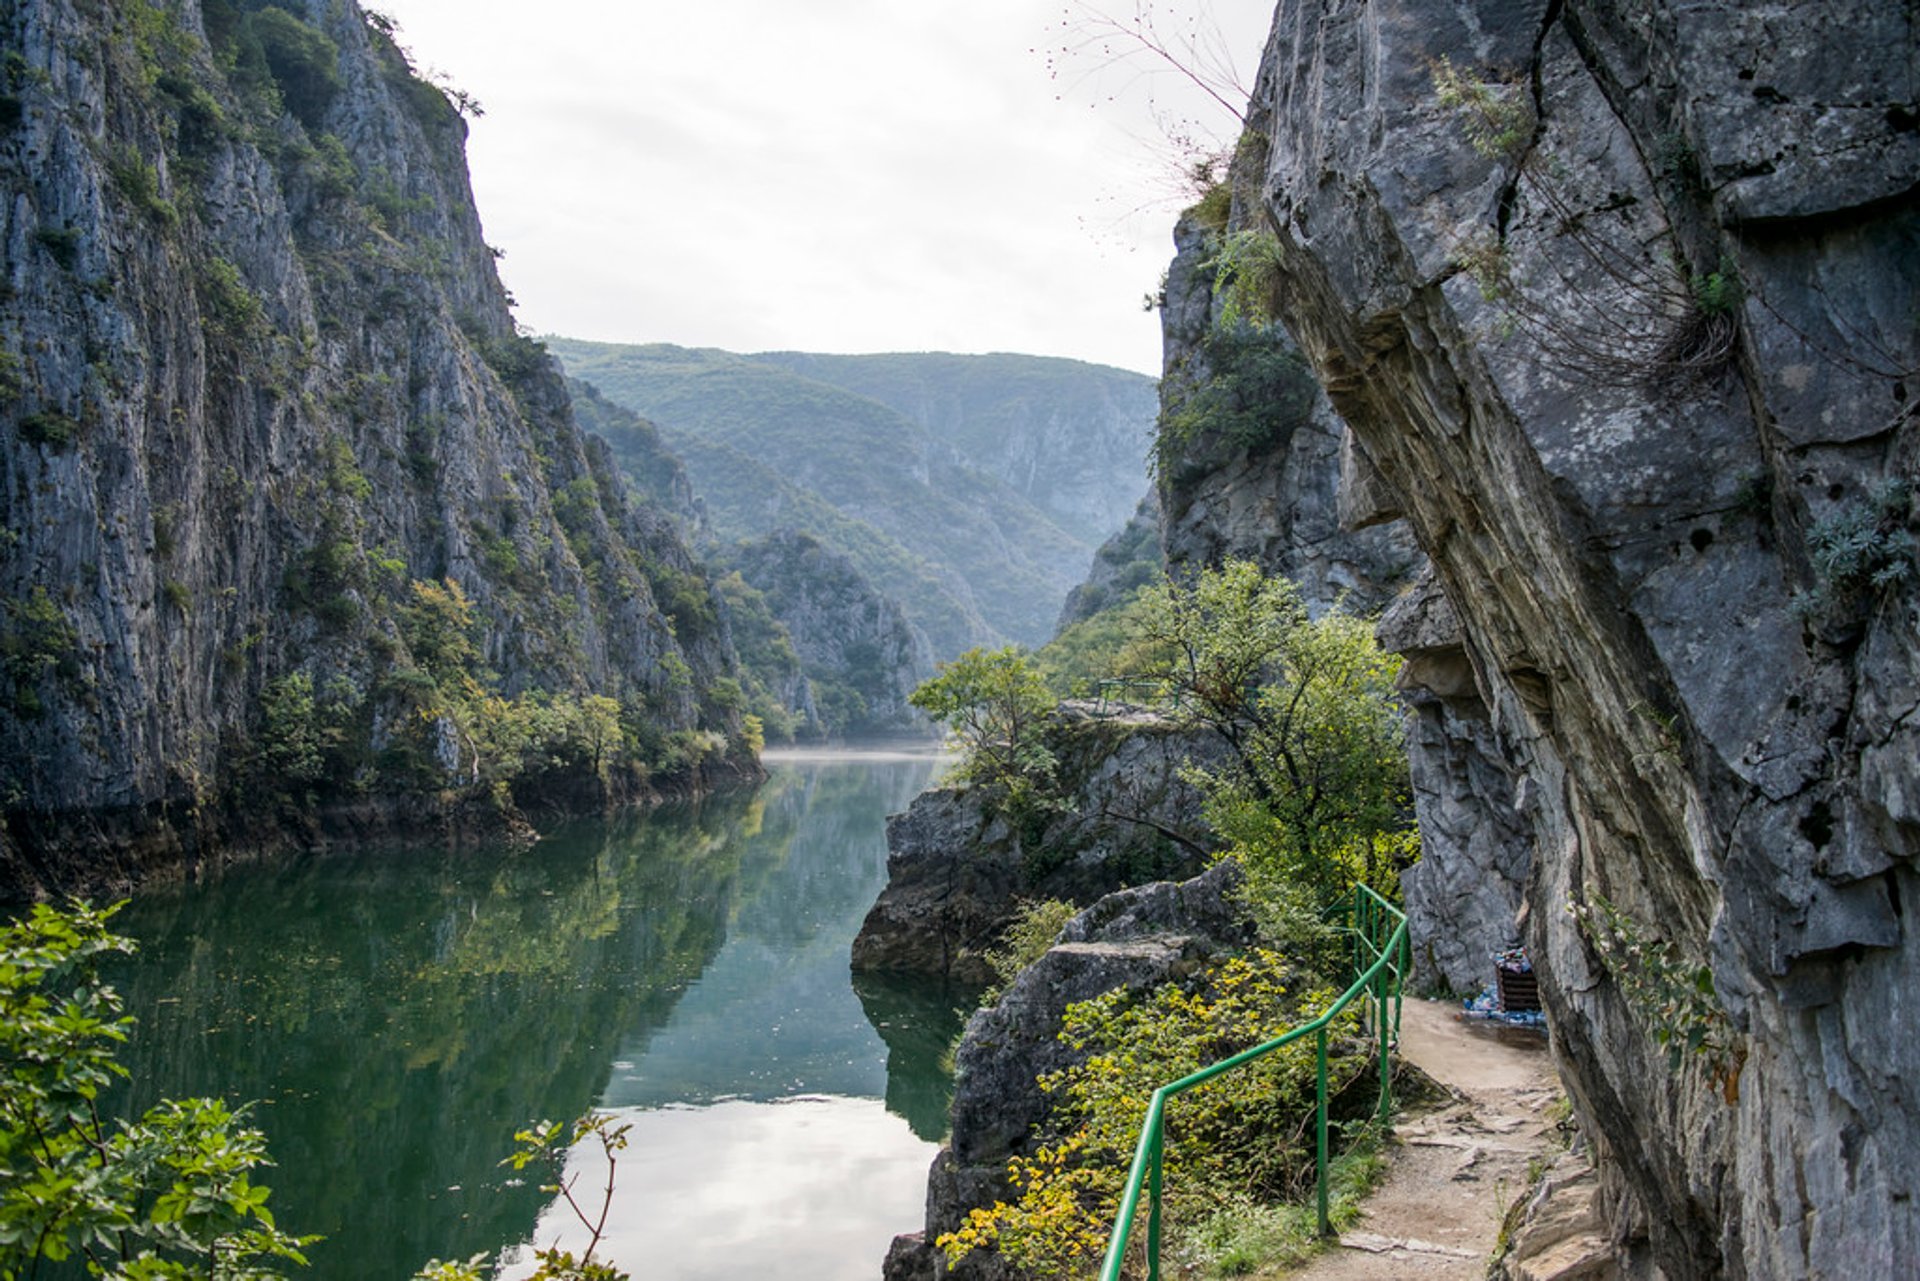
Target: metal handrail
(1381, 955)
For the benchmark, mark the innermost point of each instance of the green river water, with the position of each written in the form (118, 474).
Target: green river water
(398, 1015)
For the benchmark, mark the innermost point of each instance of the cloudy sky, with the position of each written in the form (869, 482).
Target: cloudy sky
(832, 175)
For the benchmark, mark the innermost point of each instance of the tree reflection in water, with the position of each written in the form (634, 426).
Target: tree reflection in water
(398, 1014)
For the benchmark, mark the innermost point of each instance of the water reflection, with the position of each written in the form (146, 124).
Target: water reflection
(399, 1016)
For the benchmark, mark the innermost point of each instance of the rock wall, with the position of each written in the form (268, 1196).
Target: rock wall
(855, 643)
(259, 374)
(1133, 939)
(1274, 501)
(1465, 895)
(1618, 298)
(1303, 502)
(958, 867)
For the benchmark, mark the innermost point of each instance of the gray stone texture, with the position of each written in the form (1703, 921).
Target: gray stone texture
(1277, 506)
(1133, 939)
(1705, 728)
(241, 337)
(958, 868)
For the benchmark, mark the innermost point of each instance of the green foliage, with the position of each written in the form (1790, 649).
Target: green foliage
(1245, 1236)
(1215, 206)
(1256, 390)
(514, 358)
(167, 1195)
(343, 475)
(1238, 1137)
(1864, 546)
(62, 243)
(139, 182)
(49, 428)
(1497, 118)
(37, 641)
(1026, 939)
(1673, 994)
(299, 732)
(1093, 649)
(228, 308)
(994, 705)
(1246, 277)
(1317, 795)
(1720, 292)
(303, 60)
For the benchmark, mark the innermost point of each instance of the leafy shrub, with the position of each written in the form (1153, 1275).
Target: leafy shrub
(1257, 390)
(1248, 1130)
(1246, 276)
(37, 641)
(1673, 994)
(165, 1195)
(304, 62)
(1497, 117)
(1034, 927)
(1864, 546)
(139, 182)
(50, 428)
(62, 243)
(228, 308)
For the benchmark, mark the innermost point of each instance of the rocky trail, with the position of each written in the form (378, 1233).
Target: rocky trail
(1457, 1163)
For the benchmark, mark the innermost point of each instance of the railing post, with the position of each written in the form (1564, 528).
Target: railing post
(1320, 1131)
(1386, 1061)
(1153, 1204)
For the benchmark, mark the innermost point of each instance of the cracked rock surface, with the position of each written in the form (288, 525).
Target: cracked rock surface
(1638, 367)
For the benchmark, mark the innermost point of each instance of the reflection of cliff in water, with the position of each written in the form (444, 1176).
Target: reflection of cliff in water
(919, 1022)
(774, 1015)
(398, 1016)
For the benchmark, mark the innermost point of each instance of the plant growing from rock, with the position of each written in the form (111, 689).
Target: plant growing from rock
(1862, 548)
(1496, 115)
(1671, 993)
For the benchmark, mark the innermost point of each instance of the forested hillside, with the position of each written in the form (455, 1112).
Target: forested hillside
(925, 516)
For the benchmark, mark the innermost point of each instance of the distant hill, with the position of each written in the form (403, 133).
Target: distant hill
(968, 557)
(1070, 437)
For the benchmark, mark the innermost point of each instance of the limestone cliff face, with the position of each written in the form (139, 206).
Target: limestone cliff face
(259, 374)
(856, 646)
(958, 867)
(1618, 301)
(1273, 500)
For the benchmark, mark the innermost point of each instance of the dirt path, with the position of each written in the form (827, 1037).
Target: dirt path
(1456, 1166)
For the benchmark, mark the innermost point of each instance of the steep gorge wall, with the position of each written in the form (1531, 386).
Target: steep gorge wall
(1618, 300)
(259, 374)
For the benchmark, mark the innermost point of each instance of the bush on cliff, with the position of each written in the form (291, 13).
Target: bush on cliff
(994, 704)
(1236, 1140)
(1317, 794)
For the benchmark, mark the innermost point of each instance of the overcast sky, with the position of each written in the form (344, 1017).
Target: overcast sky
(827, 175)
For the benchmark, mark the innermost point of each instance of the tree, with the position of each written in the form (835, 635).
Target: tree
(994, 703)
(1318, 793)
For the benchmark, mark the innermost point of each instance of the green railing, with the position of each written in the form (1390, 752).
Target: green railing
(1380, 957)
